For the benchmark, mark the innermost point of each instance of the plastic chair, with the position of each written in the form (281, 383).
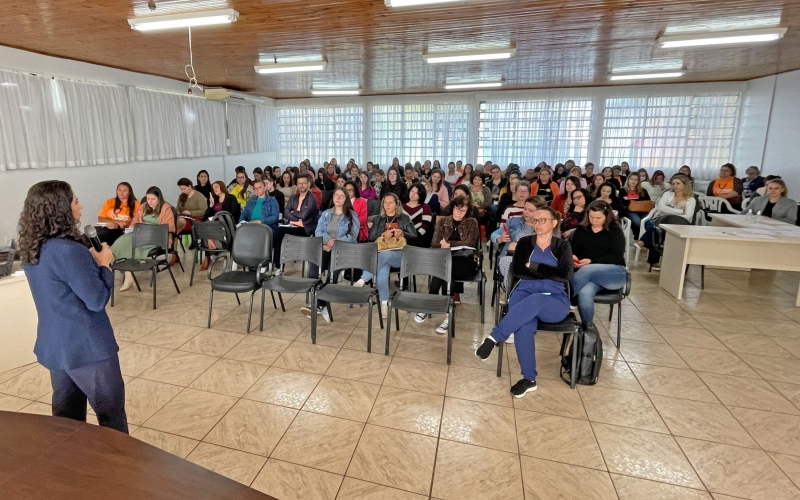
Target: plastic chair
(326, 200)
(437, 262)
(202, 234)
(641, 233)
(252, 249)
(615, 297)
(146, 235)
(626, 230)
(363, 256)
(480, 278)
(715, 204)
(172, 250)
(293, 249)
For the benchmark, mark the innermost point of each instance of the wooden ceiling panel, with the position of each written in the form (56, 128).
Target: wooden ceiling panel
(559, 43)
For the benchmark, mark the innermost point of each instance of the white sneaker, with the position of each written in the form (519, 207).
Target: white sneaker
(234, 266)
(445, 326)
(384, 308)
(420, 317)
(127, 282)
(510, 339)
(277, 272)
(324, 312)
(306, 310)
(360, 283)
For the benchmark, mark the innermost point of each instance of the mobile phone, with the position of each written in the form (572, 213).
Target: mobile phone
(505, 228)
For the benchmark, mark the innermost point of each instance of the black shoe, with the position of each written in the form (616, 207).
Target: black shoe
(485, 349)
(522, 387)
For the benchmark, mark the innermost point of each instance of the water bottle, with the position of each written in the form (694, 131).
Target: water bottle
(758, 217)
(749, 216)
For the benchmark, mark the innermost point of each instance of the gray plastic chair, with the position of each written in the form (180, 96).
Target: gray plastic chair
(480, 278)
(147, 235)
(172, 250)
(437, 262)
(362, 256)
(252, 250)
(202, 233)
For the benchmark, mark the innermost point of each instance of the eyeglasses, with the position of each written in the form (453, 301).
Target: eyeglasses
(460, 209)
(581, 197)
(541, 221)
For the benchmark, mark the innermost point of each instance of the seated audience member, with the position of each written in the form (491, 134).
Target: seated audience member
(365, 189)
(608, 176)
(258, 174)
(203, 185)
(276, 173)
(508, 196)
(727, 186)
(420, 214)
(427, 169)
(275, 193)
(431, 199)
(624, 171)
(261, 208)
(654, 185)
(452, 174)
(575, 212)
(684, 170)
(287, 185)
(338, 223)
(323, 182)
(521, 194)
(594, 185)
(191, 205)
(243, 189)
(543, 263)
(395, 185)
(573, 172)
(762, 191)
(154, 211)
(439, 188)
(392, 222)
(409, 175)
(463, 190)
(507, 236)
(378, 183)
(353, 172)
(618, 176)
(222, 201)
(331, 170)
(561, 202)
(301, 213)
(236, 172)
(608, 194)
(481, 197)
(561, 171)
(752, 182)
(633, 191)
(531, 175)
(589, 175)
(643, 175)
(359, 205)
(314, 190)
(117, 214)
(679, 200)
(340, 182)
(776, 203)
(466, 176)
(598, 249)
(495, 182)
(451, 231)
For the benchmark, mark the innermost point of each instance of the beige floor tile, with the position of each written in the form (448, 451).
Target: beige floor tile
(394, 458)
(478, 385)
(177, 445)
(252, 426)
(616, 374)
(691, 337)
(753, 344)
(774, 369)
(12, 403)
(791, 345)
(213, 342)
(38, 408)
(625, 408)
(279, 327)
(451, 481)
(739, 472)
(306, 358)
(331, 334)
(237, 465)
(644, 454)
(669, 317)
(342, 398)
(633, 330)
(748, 393)
(319, 441)
(553, 397)
(9, 374)
(650, 353)
(481, 424)
(170, 335)
(358, 340)
(423, 347)
(790, 465)
(790, 391)
(464, 355)
(283, 387)
(130, 306)
(557, 438)
(546, 480)
(166, 313)
(198, 316)
(773, 431)
(255, 349)
(407, 411)
(360, 366)
(294, 482)
(179, 368)
(133, 329)
(719, 362)
(631, 488)
(143, 398)
(354, 489)
(30, 384)
(710, 422)
(229, 377)
(415, 375)
(137, 358)
(781, 329)
(672, 382)
(717, 323)
(191, 413)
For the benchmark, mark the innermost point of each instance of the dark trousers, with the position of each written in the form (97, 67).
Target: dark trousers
(101, 384)
(463, 268)
(106, 235)
(653, 256)
(277, 240)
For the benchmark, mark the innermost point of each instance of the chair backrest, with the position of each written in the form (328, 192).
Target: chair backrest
(373, 207)
(658, 236)
(301, 249)
(436, 262)
(711, 203)
(252, 245)
(230, 224)
(203, 232)
(326, 200)
(363, 256)
(150, 235)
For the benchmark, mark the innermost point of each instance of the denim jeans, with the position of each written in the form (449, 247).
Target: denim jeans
(592, 278)
(386, 261)
(636, 222)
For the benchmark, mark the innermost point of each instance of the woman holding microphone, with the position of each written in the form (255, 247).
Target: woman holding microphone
(71, 286)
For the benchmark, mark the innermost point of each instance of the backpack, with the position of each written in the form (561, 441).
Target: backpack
(590, 355)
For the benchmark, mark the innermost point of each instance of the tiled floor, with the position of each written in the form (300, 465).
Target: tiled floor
(701, 402)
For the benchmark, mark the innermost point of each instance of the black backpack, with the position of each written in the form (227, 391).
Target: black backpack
(590, 355)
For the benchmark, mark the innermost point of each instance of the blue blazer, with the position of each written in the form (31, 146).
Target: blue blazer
(71, 292)
(270, 211)
(341, 232)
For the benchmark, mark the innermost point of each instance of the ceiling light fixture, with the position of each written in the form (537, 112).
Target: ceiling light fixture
(473, 85)
(203, 18)
(646, 76)
(266, 69)
(335, 92)
(477, 55)
(412, 3)
(721, 38)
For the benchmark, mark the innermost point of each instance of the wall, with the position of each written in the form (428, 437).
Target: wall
(754, 117)
(783, 134)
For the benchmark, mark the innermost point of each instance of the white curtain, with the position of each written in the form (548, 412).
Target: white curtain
(242, 129)
(267, 129)
(320, 134)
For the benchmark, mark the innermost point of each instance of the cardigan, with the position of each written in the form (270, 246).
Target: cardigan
(604, 247)
(165, 217)
(561, 250)
(403, 221)
(785, 209)
(196, 204)
(467, 229)
(230, 204)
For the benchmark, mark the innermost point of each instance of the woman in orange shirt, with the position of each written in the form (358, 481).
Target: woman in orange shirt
(117, 214)
(727, 186)
(545, 187)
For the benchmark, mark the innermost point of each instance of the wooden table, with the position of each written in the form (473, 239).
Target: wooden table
(55, 458)
(729, 247)
(731, 220)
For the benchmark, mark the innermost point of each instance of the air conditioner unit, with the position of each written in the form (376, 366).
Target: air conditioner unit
(223, 94)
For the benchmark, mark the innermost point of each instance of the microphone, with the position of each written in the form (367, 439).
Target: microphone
(91, 233)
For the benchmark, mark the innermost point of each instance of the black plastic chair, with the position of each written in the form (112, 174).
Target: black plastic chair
(326, 199)
(293, 249)
(227, 219)
(172, 250)
(436, 262)
(252, 249)
(480, 278)
(615, 297)
(373, 209)
(362, 256)
(146, 235)
(202, 234)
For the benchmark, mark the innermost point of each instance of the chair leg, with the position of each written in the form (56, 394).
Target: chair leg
(619, 324)
(136, 281)
(482, 297)
(451, 333)
(314, 305)
(378, 305)
(210, 306)
(154, 288)
(250, 313)
(280, 298)
(181, 264)
(263, 296)
(573, 379)
(113, 285)
(414, 280)
(388, 325)
(173, 280)
(274, 305)
(702, 277)
(369, 323)
(611, 312)
(500, 358)
(237, 299)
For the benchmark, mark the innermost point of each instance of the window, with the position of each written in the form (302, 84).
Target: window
(320, 134)
(419, 132)
(668, 132)
(528, 132)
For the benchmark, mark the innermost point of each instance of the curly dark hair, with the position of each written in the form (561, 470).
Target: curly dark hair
(46, 213)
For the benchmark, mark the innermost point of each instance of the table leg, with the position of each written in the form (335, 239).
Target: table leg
(673, 265)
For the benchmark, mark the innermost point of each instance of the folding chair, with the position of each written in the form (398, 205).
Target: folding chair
(293, 249)
(202, 234)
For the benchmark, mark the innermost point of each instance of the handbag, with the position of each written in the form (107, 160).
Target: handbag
(641, 206)
(386, 242)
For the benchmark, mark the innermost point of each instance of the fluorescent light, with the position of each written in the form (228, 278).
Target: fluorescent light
(335, 92)
(646, 76)
(477, 55)
(203, 18)
(475, 85)
(412, 3)
(265, 69)
(721, 38)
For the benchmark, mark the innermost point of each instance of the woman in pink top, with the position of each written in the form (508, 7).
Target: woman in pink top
(438, 187)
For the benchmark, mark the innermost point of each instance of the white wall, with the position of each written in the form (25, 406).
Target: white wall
(783, 136)
(753, 121)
